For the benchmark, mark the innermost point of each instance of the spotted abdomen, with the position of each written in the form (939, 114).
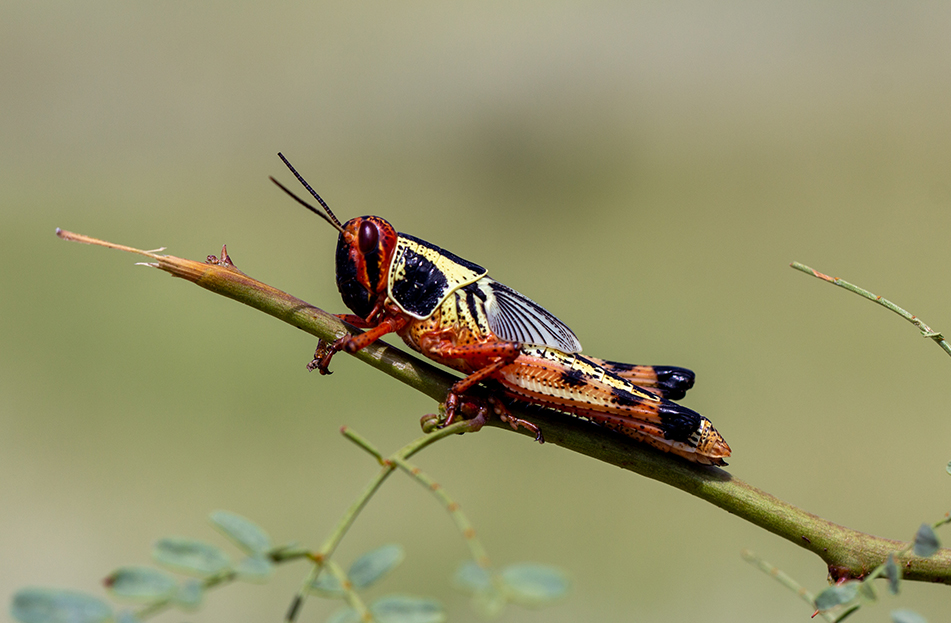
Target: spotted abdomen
(577, 385)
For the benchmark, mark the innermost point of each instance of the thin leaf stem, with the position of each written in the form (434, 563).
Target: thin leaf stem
(388, 466)
(351, 596)
(476, 549)
(785, 579)
(925, 330)
(362, 442)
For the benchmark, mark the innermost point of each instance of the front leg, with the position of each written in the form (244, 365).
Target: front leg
(322, 356)
(352, 343)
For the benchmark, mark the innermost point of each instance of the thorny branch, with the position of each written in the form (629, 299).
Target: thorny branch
(847, 553)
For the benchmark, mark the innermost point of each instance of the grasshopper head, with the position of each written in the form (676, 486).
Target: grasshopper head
(364, 252)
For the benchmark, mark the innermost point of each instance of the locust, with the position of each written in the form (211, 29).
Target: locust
(449, 310)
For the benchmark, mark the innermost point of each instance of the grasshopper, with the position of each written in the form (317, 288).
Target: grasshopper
(451, 311)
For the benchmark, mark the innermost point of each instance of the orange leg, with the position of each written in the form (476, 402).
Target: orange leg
(455, 405)
(355, 320)
(499, 353)
(513, 421)
(352, 343)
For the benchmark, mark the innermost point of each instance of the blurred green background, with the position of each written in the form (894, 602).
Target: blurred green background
(646, 171)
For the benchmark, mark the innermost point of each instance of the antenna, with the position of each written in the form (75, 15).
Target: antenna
(329, 216)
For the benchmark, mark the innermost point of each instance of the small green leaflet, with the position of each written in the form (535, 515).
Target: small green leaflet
(472, 578)
(141, 584)
(396, 609)
(373, 565)
(242, 531)
(365, 571)
(487, 598)
(254, 569)
(837, 595)
(45, 605)
(327, 585)
(190, 556)
(907, 616)
(532, 584)
(526, 584)
(867, 590)
(926, 541)
(407, 609)
(893, 573)
(189, 595)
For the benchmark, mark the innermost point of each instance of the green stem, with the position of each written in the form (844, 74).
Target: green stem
(925, 330)
(847, 553)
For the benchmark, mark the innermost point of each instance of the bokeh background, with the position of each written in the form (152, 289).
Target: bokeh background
(646, 171)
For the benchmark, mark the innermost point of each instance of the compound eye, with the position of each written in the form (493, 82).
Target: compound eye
(368, 238)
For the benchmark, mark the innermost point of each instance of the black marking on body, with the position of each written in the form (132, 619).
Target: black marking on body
(675, 381)
(574, 378)
(588, 362)
(357, 298)
(624, 398)
(620, 366)
(422, 286)
(372, 262)
(678, 422)
(473, 292)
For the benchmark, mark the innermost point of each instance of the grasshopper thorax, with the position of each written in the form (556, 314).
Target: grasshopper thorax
(364, 251)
